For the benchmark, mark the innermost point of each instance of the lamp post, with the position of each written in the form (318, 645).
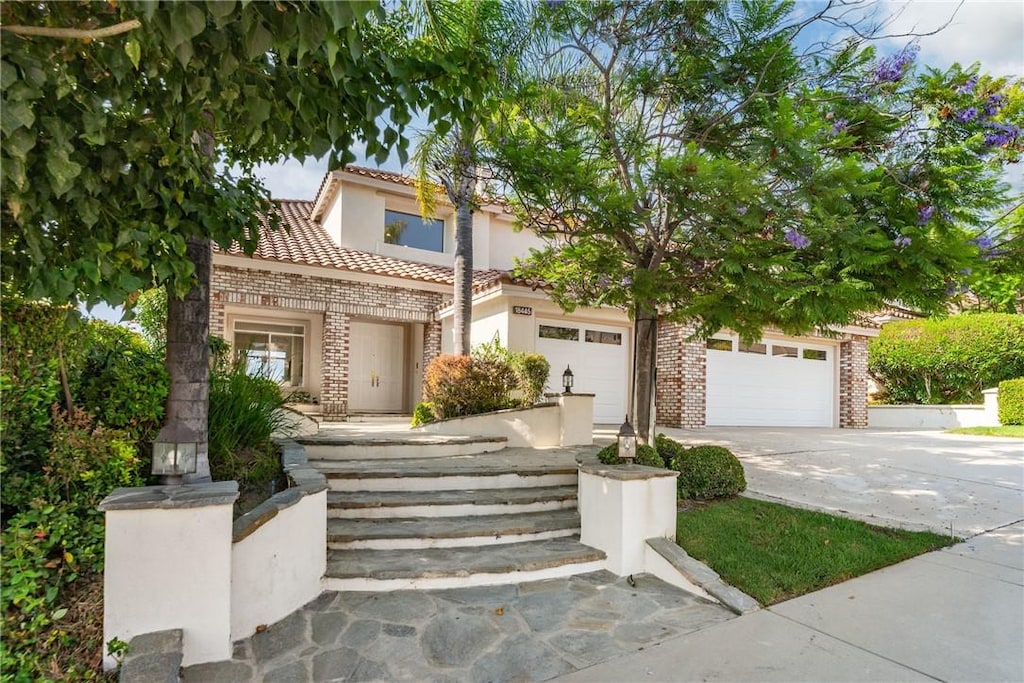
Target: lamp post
(627, 442)
(567, 380)
(174, 457)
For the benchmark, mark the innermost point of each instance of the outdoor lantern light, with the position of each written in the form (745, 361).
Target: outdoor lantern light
(567, 379)
(174, 458)
(627, 442)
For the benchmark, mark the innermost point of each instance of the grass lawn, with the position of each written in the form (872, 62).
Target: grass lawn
(773, 552)
(1016, 431)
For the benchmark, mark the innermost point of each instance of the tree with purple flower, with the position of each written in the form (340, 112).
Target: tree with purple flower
(739, 183)
(796, 239)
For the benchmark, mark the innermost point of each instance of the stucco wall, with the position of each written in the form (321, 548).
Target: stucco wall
(279, 566)
(930, 417)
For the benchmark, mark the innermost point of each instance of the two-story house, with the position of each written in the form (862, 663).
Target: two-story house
(354, 300)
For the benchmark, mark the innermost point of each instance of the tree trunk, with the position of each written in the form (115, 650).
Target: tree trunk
(645, 327)
(463, 277)
(188, 364)
(462, 188)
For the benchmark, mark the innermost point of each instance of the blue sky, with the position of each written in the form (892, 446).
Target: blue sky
(990, 32)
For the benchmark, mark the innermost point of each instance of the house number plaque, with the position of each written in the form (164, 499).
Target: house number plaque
(522, 310)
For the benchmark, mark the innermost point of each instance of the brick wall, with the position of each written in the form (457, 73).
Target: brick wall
(680, 393)
(337, 301)
(853, 383)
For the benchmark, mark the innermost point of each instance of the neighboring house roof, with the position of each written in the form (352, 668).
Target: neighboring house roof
(302, 240)
(887, 315)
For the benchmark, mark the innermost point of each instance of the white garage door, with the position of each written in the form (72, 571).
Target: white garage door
(597, 355)
(785, 383)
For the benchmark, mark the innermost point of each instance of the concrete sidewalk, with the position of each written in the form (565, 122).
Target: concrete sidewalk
(951, 615)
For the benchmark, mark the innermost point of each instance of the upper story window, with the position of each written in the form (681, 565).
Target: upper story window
(410, 230)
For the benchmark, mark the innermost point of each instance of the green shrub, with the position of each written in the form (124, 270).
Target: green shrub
(53, 542)
(244, 412)
(1011, 402)
(459, 385)
(423, 414)
(668, 449)
(708, 472)
(531, 371)
(645, 455)
(122, 382)
(33, 339)
(950, 360)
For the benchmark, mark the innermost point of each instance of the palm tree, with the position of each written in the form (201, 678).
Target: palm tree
(488, 36)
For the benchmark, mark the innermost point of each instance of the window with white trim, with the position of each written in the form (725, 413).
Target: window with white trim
(410, 230)
(272, 350)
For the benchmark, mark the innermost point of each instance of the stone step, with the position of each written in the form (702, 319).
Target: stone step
(332, 447)
(450, 532)
(390, 504)
(435, 568)
(446, 474)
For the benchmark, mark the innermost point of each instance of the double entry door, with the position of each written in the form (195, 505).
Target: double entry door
(376, 372)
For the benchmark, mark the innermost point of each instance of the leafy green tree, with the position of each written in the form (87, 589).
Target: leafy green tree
(120, 120)
(997, 285)
(690, 161)
(489, 34)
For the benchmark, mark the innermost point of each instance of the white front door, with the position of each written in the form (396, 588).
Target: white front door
(774, 383)
(598, 356)
(376, 371)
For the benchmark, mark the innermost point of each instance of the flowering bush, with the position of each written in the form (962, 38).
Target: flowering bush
(493, 378)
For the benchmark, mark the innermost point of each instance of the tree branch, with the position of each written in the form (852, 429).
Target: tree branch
(74, 33)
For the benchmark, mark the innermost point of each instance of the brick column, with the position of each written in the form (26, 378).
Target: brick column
(853, 383)
(431, 342)
(217, 321)
(680, 394)
(334, 379)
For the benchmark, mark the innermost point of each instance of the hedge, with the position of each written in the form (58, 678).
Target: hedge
(704, 471)
(645, 455)
(948, 360)
(1011, 402)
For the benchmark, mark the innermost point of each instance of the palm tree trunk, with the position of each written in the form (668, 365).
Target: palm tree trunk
(187, 362)
(463, 277)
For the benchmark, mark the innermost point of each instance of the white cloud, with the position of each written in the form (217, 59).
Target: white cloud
(987, 31)
(291, 179)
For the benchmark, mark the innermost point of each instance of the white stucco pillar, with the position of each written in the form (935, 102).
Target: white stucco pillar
(577, 419)
(991, 418)
(168, 566)
(621, 506)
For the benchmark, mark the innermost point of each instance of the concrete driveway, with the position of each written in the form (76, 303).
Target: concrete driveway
(911, 479)
(951, 615)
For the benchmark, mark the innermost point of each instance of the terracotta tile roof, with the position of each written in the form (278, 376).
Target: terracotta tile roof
(410, 181)
(302, 240)
(381, 174)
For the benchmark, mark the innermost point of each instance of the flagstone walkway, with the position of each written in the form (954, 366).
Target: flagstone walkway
(530, 631)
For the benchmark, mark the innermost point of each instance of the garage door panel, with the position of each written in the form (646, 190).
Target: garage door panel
(752, 389)
(598, 368)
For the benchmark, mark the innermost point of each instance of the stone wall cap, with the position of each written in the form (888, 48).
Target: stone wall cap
(632, 472)
(172, 497)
